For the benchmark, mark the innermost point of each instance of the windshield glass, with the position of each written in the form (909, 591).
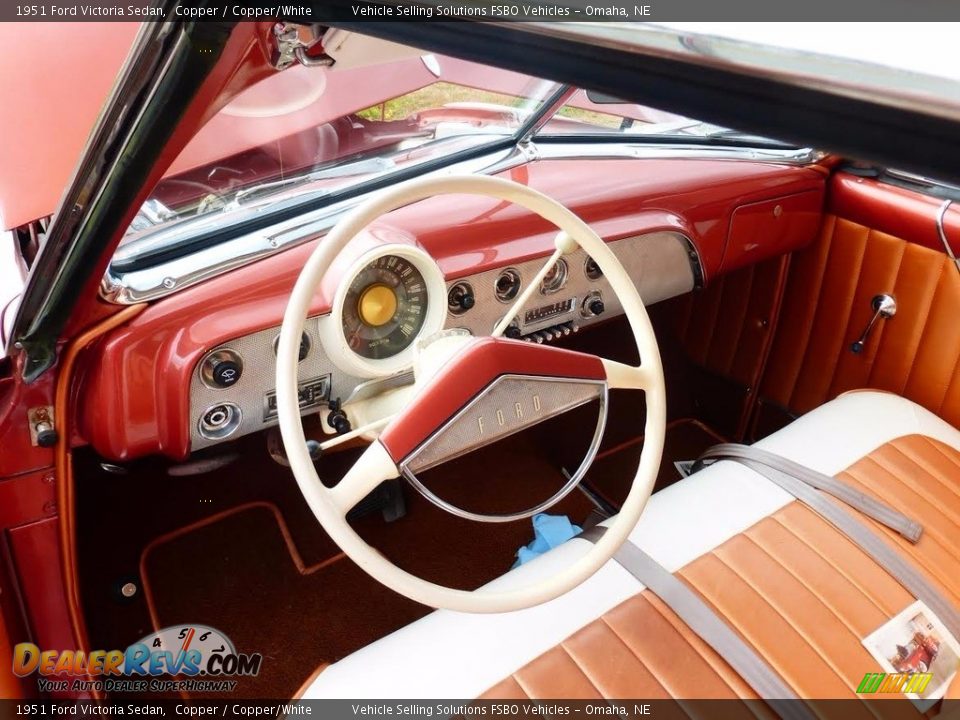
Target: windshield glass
(313, 131)
(310, 136)
(589, 113)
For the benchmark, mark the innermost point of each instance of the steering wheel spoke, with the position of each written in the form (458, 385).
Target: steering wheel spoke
(621, 376)
(373, 467)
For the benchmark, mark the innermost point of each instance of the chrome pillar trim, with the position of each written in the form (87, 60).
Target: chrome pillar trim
(541, 117)
(942, 231)
(601, 394)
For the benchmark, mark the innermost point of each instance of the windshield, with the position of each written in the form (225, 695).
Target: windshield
(308, 137)
(309, 130)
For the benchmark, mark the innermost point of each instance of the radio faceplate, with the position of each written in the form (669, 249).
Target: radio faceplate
(548, 312)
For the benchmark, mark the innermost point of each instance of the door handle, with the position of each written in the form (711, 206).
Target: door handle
(884, 306)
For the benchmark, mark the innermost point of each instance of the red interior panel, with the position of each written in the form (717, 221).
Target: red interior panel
(764, 229)
(893, 210)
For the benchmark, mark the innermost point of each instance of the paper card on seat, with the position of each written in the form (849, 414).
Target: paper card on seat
(917, 653)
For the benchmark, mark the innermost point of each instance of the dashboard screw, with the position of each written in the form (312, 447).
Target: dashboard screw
(169, 282)
(128, 590)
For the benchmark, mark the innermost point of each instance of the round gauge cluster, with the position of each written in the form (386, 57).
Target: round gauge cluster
(555, 278)
(384, 308)
(508, 285)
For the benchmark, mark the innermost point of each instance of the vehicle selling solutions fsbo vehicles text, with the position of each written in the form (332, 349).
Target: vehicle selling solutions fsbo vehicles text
(495, 709)
(521, 10)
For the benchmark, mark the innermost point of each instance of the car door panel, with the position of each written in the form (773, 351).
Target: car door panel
(828, 304)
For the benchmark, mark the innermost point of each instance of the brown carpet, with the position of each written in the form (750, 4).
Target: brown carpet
(242, 572)
(614, 469)
(239, 575)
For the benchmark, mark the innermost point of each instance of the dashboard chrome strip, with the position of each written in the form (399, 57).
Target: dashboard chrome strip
(166, 278)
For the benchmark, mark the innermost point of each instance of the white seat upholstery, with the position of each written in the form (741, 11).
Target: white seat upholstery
(455, 655)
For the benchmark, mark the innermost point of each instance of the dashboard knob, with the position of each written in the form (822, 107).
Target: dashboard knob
(596, 306)
(304, 346)
(226, 372)
(461, 298)
(513, 332)
(221, 368)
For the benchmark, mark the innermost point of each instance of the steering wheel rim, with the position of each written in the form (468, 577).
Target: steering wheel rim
(330, 506)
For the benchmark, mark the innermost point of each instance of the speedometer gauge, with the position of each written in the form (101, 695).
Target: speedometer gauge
(384, 308)
(388, 298)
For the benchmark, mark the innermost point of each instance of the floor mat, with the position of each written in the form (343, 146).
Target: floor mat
(614, 469)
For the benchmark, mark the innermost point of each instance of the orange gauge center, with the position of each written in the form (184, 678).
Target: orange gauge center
(377, 305)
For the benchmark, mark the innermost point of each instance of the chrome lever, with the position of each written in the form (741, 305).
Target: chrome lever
(884, 306)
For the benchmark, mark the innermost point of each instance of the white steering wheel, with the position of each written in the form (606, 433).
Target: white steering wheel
(427, 431)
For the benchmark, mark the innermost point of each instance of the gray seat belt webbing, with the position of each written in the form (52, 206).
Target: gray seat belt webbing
(712, 629)
(869, 541)
(870, 506)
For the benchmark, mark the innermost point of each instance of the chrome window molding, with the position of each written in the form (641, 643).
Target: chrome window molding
(164, 278)
(624, 149)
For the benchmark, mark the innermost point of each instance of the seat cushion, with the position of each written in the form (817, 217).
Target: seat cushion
(797, 589)
(785, 579)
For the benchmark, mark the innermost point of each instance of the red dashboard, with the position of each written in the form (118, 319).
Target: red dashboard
(136, 387)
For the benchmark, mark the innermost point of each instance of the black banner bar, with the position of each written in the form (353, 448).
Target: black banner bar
(334, 11)
(635, 709)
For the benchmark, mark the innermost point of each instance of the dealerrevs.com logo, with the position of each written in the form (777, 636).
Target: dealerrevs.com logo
(180, 657)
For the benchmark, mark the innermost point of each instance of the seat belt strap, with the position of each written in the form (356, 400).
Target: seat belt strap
(865, 538)
(708, 626)
(868, 505)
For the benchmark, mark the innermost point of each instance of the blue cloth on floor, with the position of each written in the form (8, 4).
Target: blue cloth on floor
(548, 532)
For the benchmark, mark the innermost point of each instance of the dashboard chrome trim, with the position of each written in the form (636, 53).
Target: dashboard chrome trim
(250, 393)
(663, 264)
